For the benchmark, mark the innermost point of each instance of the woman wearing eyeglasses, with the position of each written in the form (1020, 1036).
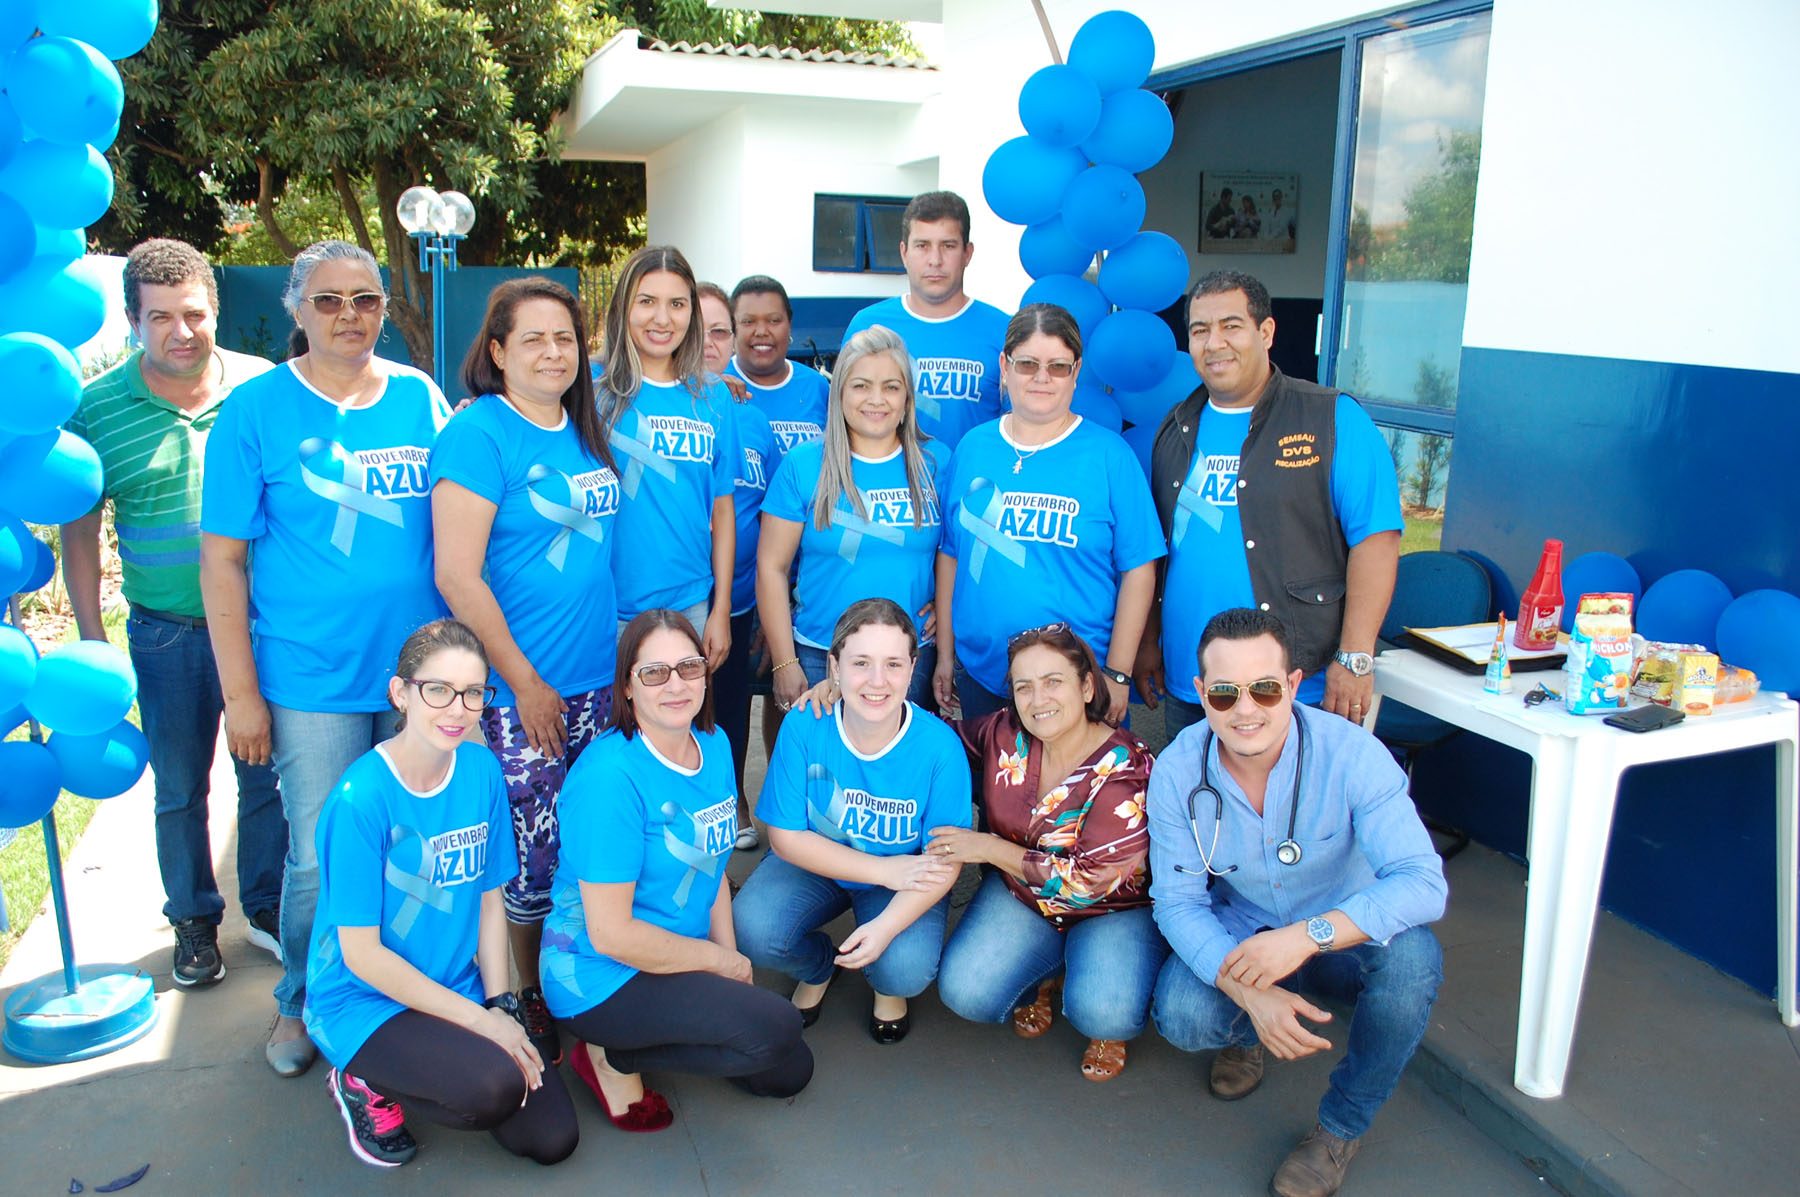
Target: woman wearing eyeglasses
(640, 960)
(319, 468)
(1048, 517)
(674, 438)
(408, 977)
(860, 507)
(1066, 858)
(524, 496)
(848, 801)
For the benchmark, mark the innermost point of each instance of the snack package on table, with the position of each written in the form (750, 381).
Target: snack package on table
(1599, 664)
(1735, 685)
(1655, 666)
(1695, 687)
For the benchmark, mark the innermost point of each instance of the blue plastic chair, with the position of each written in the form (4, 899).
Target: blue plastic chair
(1431, 590)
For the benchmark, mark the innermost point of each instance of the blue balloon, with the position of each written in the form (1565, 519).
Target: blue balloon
(1092, 402)
(1114, 49)
(17, 557)
(30, 783)
(1760, 631)
(1103, 207)
(65, 90)
(1047, 249)
(10, 719)
(1135, 130)
(117, 28)
(1152, 403)
(62, 186)
(17, 20)
(45, 570)
(1141, 437)
(1681, 608)
(50, 478)
(65, 301)
(40, 383)
(1080, 298)
(82, 688)
(61, 245)
(18, 237)
(18, 668)
(1130, 350)
(1024, 179)
(11, 132)
(1597, 573)
(1150, 271)
(1059, 105)
(103, 765)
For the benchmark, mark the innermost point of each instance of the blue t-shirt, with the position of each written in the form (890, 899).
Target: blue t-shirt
(957, 359)
(414, 865)
(796, 408)
(549, 552)
(757, 454)
(677, 455)
(1042, 536)
(884, 803)
(1207, 571)
(628, 815)
(880, 555)
(336, 505)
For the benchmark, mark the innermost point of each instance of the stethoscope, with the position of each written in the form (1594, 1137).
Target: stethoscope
(1287, 851)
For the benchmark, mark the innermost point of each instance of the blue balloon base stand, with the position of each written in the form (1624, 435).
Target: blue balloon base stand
(83, 1011)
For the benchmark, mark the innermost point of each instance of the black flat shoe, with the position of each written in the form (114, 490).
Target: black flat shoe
(889, 1032)
(810, 1014)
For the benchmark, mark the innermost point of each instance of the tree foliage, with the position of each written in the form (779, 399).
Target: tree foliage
(1432, 243)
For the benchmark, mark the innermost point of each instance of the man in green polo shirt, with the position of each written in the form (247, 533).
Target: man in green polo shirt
(147, 418)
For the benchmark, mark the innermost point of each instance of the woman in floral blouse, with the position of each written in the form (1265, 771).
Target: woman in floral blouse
(1068, 887)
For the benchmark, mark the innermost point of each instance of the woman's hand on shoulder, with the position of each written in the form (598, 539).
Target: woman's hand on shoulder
(821, 697)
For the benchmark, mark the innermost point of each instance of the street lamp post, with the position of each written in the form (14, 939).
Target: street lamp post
(437, 221)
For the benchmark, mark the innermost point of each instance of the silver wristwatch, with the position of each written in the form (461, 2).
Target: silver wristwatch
(1359, 664)
(1321, 932)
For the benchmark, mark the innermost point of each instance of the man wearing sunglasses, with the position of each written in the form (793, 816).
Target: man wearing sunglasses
(1286, 855)
(1274, 493)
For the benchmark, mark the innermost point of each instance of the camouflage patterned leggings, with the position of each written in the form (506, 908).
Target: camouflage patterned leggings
(533, 782)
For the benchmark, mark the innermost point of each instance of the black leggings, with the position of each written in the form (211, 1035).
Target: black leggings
(462, 1080)
(704, 1024)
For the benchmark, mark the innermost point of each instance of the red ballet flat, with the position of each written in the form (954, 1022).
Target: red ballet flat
(650, 1112)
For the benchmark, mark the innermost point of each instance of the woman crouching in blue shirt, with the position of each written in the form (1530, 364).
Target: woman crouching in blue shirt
(848, 801)
(640, 960)
(414, 846)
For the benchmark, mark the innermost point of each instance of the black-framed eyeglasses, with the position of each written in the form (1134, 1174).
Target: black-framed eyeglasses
(439, 695)
(330, 303)
(1048, 629)
(1265, 692)
(657, 672)
(1027, 367)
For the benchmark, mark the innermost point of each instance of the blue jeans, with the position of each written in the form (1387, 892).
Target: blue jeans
(179, 705)
(1179, 714)
(779, 911)
(696, 615)
(1393, 989)
(813, 663)
(311, 750)
(1002, 948)
(977, 699)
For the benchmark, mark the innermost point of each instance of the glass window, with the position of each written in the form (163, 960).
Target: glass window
(1422, 460)
(834, 234)
(885, 236)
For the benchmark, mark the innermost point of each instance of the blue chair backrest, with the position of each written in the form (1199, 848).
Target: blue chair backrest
(1437, 589)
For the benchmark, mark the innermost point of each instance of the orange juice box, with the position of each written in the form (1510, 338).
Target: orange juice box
(1695, 683)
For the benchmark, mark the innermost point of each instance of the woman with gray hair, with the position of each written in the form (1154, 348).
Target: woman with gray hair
(319, 468)
(860, 506)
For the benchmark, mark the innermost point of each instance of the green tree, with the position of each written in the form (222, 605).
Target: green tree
(1432, 243)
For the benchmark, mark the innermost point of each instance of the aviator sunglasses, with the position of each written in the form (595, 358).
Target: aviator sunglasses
(657, 672)
(1223, 696)
(1027, 367)
(330, 303)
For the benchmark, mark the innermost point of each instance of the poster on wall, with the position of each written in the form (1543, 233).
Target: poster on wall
(1248, 211)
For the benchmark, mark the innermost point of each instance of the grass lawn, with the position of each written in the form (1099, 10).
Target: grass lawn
(1421, 535)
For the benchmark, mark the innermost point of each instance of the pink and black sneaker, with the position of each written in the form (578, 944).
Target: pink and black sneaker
(377, 1126)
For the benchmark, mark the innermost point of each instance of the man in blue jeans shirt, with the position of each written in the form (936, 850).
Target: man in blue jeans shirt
(147, 418)
(1321, 878)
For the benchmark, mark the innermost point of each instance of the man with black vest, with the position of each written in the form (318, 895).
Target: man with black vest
(1274, 494)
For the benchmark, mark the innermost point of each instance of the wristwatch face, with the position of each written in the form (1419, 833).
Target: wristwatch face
(1116, 675)
(1359, 664)
(1321, 931)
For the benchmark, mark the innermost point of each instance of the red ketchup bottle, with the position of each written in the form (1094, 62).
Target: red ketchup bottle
(1540, 610)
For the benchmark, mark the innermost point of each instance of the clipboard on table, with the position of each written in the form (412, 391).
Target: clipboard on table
(1466, 647)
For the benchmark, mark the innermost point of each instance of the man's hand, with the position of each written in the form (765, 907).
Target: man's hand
(1346, 694)
(1269, 956)
(1147, 672)
(247, 729)
(1276, 1014)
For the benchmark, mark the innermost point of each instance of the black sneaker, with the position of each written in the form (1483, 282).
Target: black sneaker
(265, 932)
(540, 1026)
(377, 1126)
(197, 959)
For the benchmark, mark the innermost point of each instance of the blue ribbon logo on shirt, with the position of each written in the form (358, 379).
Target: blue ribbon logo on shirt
(829, 822)
(349, 494)
(855, 527)
(562, 511)
(694, 855)
(1189, 504)
(641, 449)
(558, 963)
(417, 887)
(985, 528)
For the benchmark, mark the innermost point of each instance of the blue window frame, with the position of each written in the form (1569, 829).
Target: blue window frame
(858, 234)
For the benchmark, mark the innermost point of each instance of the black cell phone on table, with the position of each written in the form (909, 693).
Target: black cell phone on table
(1646, 718)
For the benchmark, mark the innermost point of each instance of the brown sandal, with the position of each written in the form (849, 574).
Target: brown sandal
(1031, 1021)
(1103, 1060)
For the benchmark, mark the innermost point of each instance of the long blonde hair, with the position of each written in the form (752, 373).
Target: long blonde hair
(835, 476)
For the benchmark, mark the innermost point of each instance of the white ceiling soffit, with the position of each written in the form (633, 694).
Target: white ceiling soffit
(636, 96)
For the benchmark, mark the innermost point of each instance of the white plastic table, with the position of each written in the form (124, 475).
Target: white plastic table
(1577, 761)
